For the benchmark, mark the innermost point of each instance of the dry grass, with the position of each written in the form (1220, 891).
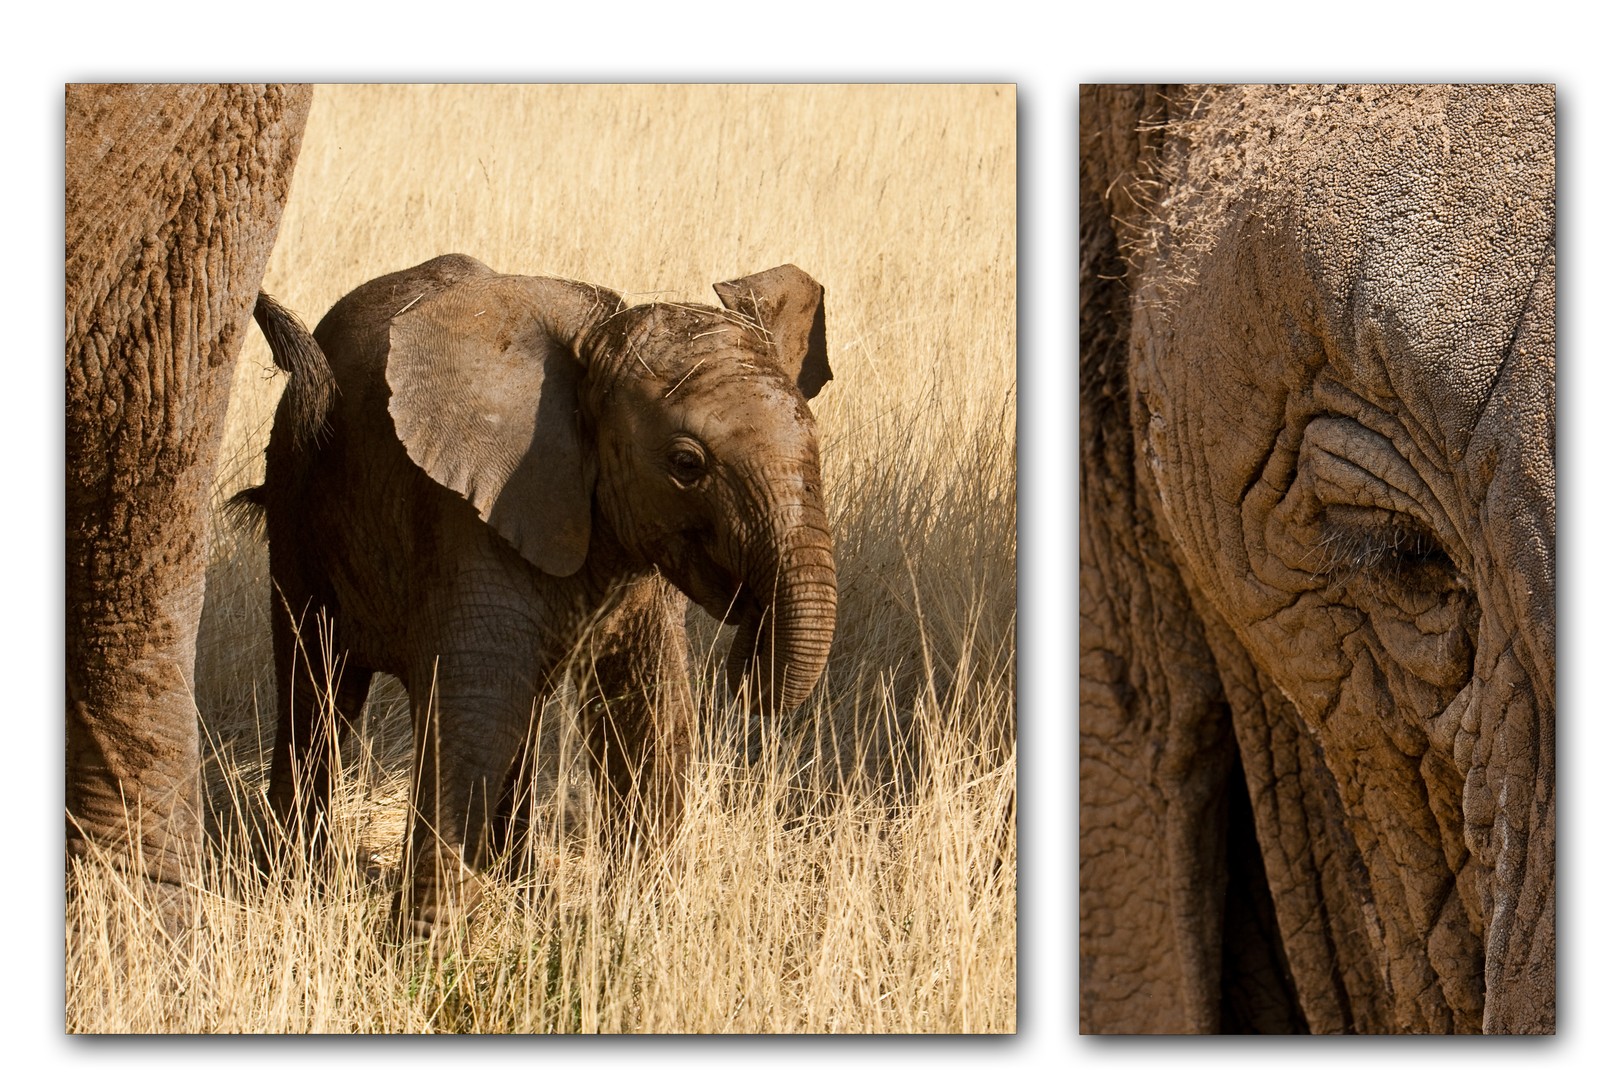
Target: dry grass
(851, 870)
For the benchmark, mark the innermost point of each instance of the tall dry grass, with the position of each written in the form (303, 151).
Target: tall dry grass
(849, 870)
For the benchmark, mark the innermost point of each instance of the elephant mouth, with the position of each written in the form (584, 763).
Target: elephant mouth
(742, 609)
(731, 603)
(782, 609)
(725, 598)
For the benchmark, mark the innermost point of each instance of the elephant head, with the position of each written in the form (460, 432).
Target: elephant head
(1318, 558)
(675, 433)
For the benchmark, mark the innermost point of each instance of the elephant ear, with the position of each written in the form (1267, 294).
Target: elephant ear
(484, 380)
(787, 303)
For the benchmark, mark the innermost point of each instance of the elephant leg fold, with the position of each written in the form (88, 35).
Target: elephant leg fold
(134, 786)
(134, 781)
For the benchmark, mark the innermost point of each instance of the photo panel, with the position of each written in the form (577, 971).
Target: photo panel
(588, 603)
(1317, 558)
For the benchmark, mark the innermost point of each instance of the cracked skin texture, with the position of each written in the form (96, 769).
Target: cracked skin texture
(173, 197)
(1317, 570)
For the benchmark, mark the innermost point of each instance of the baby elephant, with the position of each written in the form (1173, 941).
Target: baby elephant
(486, 480)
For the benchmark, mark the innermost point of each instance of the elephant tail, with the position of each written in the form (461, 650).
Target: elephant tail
(306, 404)
(245, 512)
(311, 388)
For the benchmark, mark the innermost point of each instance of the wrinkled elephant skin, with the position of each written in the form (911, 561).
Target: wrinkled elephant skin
(1318, 559)
(173, 197)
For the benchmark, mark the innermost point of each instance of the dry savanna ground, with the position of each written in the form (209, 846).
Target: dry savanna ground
(849, 869)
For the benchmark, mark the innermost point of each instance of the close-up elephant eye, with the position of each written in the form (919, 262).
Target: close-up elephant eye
(686, 463)
(1388, 546)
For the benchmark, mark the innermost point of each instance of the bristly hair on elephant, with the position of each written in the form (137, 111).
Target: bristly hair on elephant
(1317, 558)
(488, 483)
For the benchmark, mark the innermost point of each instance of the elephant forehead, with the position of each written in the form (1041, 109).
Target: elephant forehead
(667, 339)
(1427, 261)
(1391, 265)
(1405, 226)
(723, 399)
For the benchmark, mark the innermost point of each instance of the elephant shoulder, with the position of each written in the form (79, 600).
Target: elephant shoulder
(443, 271)
(379, 300)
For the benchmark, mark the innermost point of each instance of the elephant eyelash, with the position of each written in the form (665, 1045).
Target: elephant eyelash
(1388, 547)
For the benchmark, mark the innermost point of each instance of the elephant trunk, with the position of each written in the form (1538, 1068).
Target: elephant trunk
(782, 646)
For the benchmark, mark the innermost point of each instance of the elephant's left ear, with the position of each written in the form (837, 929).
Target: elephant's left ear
(484, 392)
(787, 303)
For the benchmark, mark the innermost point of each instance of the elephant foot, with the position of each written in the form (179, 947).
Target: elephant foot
(173, 908)
(166, 904)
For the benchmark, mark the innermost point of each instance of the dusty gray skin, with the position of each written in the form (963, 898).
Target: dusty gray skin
(1317, 559)
(173, 197)
(514, 472)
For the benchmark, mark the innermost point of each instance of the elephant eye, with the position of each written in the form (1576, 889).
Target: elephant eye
(686, 464)
(1385, 546)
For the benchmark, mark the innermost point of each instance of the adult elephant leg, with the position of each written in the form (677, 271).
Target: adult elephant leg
(173, 196)
(639, 711)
